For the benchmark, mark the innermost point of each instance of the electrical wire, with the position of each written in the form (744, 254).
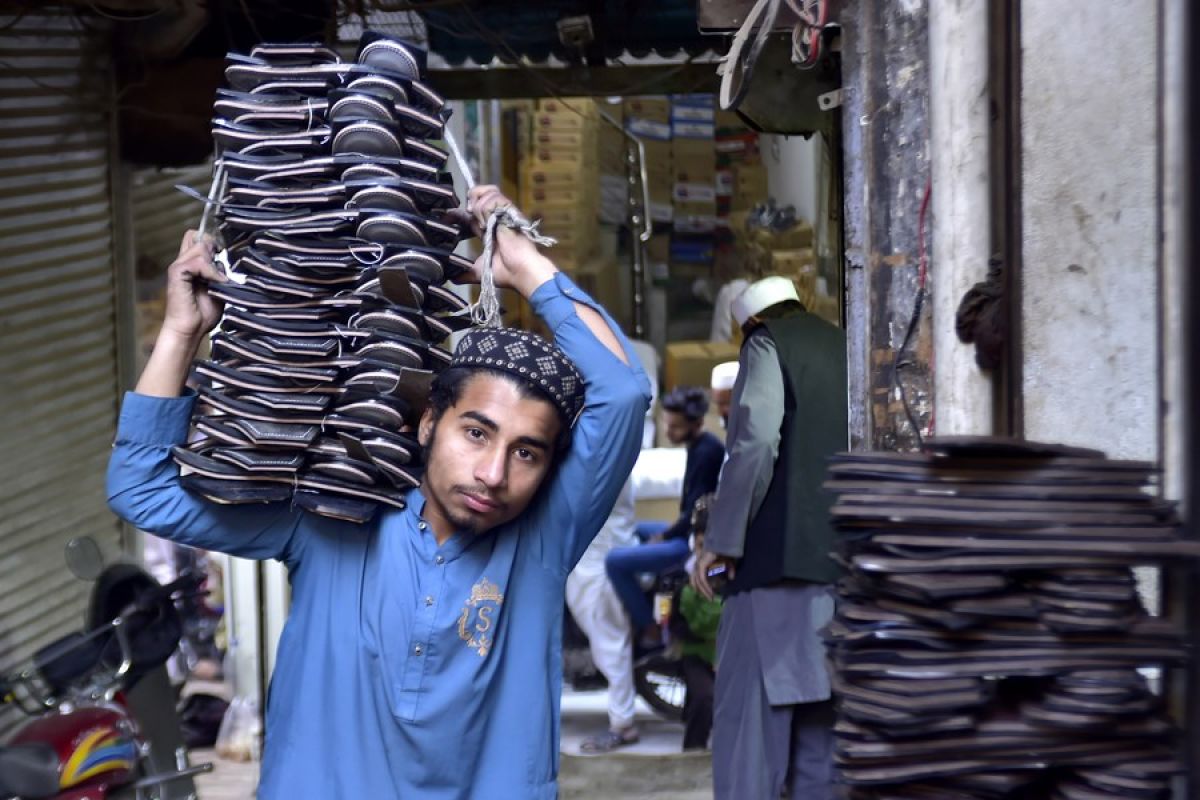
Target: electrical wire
(808, 31)
(898, 361)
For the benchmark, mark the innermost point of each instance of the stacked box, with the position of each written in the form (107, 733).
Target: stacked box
(560, 178)
(741, 179)
(614, 171)
(649, 118)
(694, 163)
(690, 363)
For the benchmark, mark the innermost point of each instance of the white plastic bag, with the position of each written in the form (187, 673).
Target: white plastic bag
(240, 736)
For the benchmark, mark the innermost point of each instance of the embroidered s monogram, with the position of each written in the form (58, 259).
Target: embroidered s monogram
(479, 615)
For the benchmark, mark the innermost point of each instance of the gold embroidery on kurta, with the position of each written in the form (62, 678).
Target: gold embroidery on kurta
(478, 616)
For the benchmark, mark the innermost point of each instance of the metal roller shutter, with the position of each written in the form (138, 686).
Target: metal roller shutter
(58, 356)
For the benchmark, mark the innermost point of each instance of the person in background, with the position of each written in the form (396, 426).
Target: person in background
(599, 613)
(693, 623)
(769, 530)
(667, 546)
(723, 377)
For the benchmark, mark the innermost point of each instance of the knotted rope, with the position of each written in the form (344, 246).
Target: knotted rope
(486, 310)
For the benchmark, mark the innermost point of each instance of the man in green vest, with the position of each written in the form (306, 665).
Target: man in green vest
(769, 537)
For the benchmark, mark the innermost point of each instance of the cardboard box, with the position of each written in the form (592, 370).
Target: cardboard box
(688, 129)
(750, 179)
(705, 193)
(574, 106)
(737, 149)
(581, 160)
(796, 263)
(648, 129)
(652, 108)
(556, 139)
(728, 122)
(564, 122)
(691, 363)
(694, 208)
(694, 223)
(691, 249)
(659, 247)
(559, 195)
(689, 113)
(544, 175)
(694, 100)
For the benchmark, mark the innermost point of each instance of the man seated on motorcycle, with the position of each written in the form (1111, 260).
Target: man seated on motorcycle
(421, 658)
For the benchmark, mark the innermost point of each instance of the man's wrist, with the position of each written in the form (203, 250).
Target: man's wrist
(174, 342)
(532, 274)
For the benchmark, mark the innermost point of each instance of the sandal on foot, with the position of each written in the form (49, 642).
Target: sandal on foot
(609, 741)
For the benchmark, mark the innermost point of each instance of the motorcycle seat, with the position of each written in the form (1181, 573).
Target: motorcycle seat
(28, 771)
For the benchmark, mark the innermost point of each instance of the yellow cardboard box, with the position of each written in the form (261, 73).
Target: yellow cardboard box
(562, 121)
(690, 363)
(574, 106)
(555, 139)
(653, 108)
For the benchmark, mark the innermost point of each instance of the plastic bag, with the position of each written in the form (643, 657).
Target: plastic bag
(240, 736)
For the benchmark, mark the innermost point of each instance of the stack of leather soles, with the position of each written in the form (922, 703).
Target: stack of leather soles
(334, 220)
(989, 640)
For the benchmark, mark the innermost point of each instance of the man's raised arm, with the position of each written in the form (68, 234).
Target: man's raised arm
(606, 437)
(143, 481)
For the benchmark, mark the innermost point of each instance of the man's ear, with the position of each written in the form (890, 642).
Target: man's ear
(425, 427)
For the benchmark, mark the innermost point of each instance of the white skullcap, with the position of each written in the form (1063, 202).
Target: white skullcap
(724, 375)
(761, 295)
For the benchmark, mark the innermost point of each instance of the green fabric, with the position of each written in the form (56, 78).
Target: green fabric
(703, 617)
(791, 536)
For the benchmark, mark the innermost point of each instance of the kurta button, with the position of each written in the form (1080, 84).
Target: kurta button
(429, 600)
(417, 650)
(440, 560)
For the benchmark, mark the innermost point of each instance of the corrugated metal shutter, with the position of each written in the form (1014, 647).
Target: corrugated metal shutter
(161, 213)
(58, 370)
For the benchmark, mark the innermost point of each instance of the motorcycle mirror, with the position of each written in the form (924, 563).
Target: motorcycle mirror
(84, 558)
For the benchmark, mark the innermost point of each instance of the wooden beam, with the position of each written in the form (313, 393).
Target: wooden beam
(477, 83)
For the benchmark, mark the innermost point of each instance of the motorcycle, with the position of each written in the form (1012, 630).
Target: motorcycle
(103, 722)
(657, 676)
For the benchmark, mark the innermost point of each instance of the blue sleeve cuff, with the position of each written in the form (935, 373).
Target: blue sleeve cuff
(554, 300)
(160, 421)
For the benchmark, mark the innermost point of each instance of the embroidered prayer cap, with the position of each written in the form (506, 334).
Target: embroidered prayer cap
(527, 357)
(761, 295)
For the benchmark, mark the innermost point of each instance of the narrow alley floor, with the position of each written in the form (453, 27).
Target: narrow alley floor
(652, 769)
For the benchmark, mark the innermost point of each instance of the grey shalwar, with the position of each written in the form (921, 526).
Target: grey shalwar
(772, 714)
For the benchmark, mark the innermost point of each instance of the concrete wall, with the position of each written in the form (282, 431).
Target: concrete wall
(1091, 226)
(885, 128)
(791, 163)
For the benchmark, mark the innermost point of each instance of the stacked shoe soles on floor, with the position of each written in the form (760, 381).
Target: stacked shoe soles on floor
(989, 639)
(333, 218)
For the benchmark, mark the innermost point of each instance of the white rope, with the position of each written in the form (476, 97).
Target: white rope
(486, 310)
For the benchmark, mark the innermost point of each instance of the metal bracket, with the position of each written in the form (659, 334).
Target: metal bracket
(830, 100)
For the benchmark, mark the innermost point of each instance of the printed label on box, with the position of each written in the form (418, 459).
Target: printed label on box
(725, 181)
(695, 224)
(659, 131)
(662, 212)
(693, 130)
(695, 193)
(692, 114)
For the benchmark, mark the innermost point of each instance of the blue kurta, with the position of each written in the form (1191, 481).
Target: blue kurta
(407, 669)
